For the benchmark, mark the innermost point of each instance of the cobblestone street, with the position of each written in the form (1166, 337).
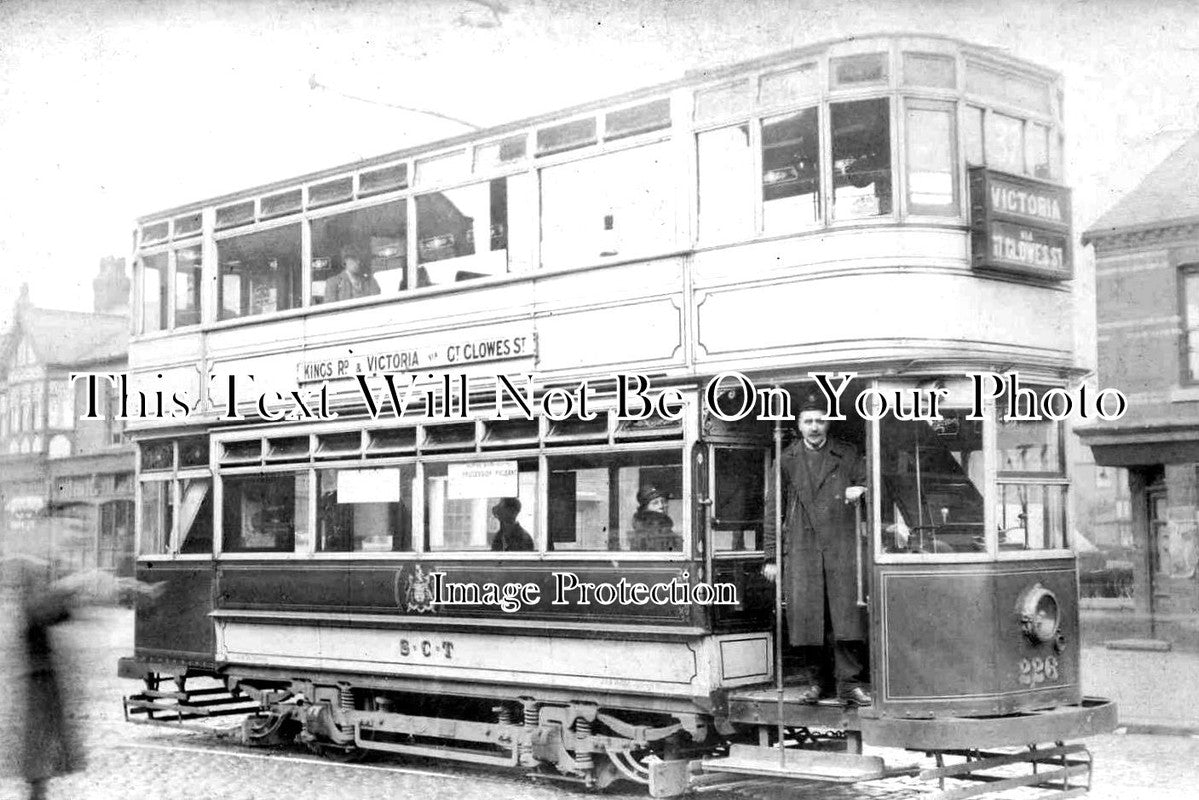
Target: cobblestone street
(131, 761)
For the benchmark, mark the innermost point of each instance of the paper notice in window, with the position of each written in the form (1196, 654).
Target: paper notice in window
(482, 479)
(368, 486)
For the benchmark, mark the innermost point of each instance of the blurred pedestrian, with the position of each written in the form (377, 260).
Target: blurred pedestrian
(49, 746)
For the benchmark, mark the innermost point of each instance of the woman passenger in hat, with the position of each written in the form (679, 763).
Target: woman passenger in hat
(653, 529)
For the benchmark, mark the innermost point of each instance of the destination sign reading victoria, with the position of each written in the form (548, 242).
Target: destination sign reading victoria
(1020, 225)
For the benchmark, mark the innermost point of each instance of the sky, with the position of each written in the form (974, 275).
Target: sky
(109, 111)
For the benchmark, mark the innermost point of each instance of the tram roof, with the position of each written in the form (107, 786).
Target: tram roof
(689, 78)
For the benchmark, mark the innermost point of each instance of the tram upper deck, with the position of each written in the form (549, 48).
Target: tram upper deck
(873, 202)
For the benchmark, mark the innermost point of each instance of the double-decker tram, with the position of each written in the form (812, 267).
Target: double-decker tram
(407, 503)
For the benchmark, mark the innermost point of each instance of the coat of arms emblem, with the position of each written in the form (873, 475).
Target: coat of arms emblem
(418, 593)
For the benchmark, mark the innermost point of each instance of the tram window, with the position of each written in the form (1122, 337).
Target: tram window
(791, 171)
(364, 510)
(615, 205)
(154, 293)
(924, 69)
(1032, 446)
(1055, 157)
(461, 508)
(462, 233)
(725, 184)
(973, 136)
(723, 101)
(158, 514)
(158, 455)
(739, 507)
(496, 154)
(193, 452)
(259, 272)
(265, 513)
(933, 484)
(1036, 143)
(1005, 143)
(789, 85)
(932, 173)
(861, 133)
(631, 501)
(187, 286)
(1031, 516)
(858, 70)
(195, 516)
(379, 235)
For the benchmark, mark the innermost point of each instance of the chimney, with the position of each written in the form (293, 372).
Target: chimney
(111, 287)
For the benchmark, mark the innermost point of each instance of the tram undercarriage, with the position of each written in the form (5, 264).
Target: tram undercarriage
(670, 752)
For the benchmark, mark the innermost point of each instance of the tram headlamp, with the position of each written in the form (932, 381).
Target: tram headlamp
(1039, 613)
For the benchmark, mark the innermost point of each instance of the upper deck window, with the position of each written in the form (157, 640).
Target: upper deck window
(926, 69)
(383, 180)
(791, 171)
(859, 70)
(723, 101)
(462, 233)
(187, 286)
(932, 160)
(726, 183)
(1005, 143)
(235, 214)
(1015, 90)
(789, 85)
(505, 151)
(277, 205)
(376, 238)
(259, 272)
(861, 146)
(154, 292)
(335, 191)
(566, 136)
(188, 225)
(646, 117)
(448, 168)
(619, 204)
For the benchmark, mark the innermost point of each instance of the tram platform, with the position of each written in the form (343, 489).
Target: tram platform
(760, 706)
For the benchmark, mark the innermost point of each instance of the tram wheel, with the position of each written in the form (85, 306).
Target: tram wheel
(342, 754)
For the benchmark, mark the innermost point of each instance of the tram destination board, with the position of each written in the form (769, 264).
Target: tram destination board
(1020, 225)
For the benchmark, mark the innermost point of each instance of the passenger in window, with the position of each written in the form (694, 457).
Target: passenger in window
(511, 536)
(823, 478)
(355, 279)
(653, 529)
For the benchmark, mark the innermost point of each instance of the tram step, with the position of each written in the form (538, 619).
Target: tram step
(816, 765)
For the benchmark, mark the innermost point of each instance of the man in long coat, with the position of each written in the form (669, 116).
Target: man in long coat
(822, 479)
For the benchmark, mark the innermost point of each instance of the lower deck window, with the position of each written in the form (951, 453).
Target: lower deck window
(364, 510)
(265, 513)
(481, 505)
(623, 501)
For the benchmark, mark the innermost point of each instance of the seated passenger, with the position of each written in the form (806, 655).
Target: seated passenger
(653, 529)
(511, 535)
(355, 279)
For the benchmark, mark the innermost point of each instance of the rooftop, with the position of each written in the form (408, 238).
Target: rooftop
(1167, 195)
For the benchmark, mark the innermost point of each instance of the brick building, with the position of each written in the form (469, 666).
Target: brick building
(1147, 290)
(66, 485)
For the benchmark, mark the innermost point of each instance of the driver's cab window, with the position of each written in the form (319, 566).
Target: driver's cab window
(933, 484)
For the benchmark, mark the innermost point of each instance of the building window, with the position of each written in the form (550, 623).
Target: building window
(932, 159)
(377, 237)
(154, 292)
(791, 171)
(462, 233)
(187, 286)
(1189, 341)
(259, 273)
(861, 145)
